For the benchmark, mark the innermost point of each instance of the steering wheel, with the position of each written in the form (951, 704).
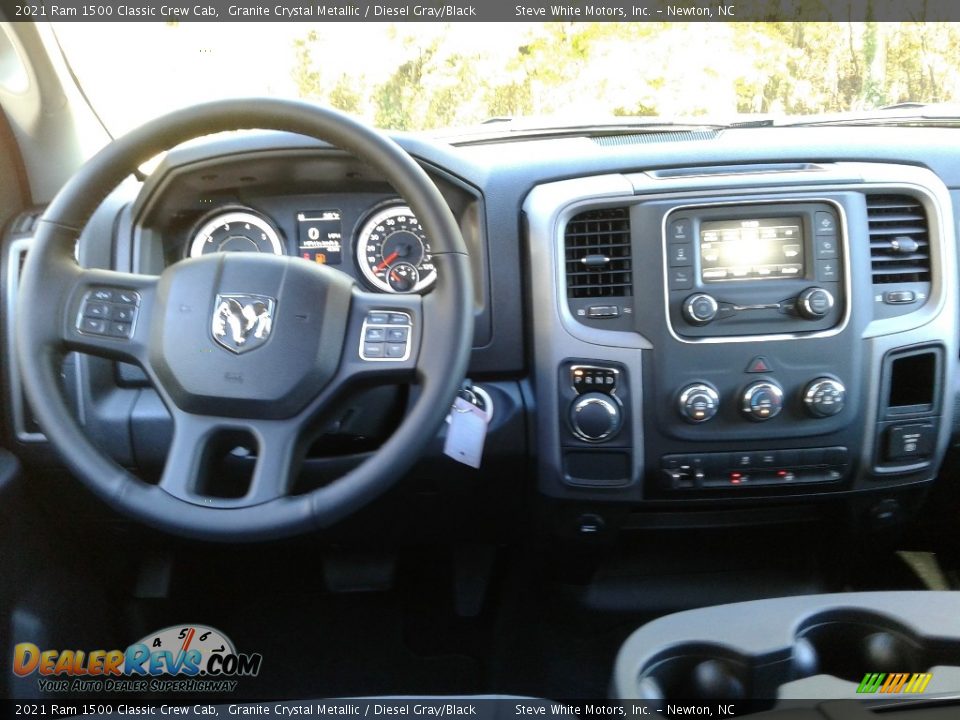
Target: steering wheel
(259, 344)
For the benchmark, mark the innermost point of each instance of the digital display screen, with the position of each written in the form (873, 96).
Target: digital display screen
(320, 235)
(753, 249)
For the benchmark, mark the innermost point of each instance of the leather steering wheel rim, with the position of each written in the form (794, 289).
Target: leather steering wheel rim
(47, 307)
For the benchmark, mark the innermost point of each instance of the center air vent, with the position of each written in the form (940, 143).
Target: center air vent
(597, 250)
(899, 239)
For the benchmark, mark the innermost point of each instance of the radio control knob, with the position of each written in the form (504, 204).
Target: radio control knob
(824, 397)
(595, 417)
(762, 401)
(814, 303)
(698, 403)
(699, 309)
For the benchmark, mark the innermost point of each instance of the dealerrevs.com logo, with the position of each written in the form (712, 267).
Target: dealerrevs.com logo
(180, 658)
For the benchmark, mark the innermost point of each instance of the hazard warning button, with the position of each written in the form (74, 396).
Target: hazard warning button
(759, 365)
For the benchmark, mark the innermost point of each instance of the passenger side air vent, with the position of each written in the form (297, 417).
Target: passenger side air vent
(899, 239)
(597, 253)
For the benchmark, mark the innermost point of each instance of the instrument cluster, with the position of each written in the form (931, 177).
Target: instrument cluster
(381, 244)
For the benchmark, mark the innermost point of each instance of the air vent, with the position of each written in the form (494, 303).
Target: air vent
(597, 248)
(899, 239)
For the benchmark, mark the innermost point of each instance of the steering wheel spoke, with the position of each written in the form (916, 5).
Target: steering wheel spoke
(193, 474)
(108, 314)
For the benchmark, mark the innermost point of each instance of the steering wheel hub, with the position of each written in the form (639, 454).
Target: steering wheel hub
(245, 334)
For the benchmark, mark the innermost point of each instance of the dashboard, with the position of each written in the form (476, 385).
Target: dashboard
(692, 321)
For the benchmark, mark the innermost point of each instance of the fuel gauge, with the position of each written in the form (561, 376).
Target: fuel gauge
(402, 277)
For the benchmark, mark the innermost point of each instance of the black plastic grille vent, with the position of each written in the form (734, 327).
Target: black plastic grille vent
(597, 248)
(899, 239)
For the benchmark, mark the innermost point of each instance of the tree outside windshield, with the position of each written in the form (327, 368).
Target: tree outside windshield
(423, 76)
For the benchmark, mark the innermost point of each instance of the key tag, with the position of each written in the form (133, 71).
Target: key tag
(466, 433)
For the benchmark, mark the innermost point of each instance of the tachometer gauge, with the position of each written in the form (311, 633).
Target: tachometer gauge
(393, 253)
(235, 230)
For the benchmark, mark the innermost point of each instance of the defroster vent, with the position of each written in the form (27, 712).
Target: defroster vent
(899, 239)
(597, 249)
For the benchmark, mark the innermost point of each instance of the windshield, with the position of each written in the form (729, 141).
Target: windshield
(425, 76)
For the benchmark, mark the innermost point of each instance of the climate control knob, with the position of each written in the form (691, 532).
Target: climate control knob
(699, 309)
(824, 397)
(698, 403)
(595, 417)
(814, 303)
(761, 401)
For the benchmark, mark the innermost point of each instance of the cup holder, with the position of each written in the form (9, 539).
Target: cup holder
(848, 645)
(697, 672)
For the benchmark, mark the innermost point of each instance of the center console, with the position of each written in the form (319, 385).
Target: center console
(742, 332)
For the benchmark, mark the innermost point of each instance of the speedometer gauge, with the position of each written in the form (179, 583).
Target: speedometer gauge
(393, 253)
(235, 230)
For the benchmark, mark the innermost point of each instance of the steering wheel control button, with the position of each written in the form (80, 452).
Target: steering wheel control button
(761, 401)
(824, 397)
(108, 312)
(700, 309)
(385, 336)
(698, 403)
(397, 334)
(595, 417)
(814, 303)
(589, 378)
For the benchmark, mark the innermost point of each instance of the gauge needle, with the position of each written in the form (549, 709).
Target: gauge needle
(387, 260)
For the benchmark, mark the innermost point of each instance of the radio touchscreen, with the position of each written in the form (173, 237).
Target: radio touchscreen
(751, 249)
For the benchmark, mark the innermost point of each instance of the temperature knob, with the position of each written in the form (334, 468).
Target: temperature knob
(595, 417)
(699, 309)
(824, 397)
(762, 401)
(698, 403)
(814, 303)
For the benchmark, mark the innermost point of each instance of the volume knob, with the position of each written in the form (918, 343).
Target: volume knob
(699, 309)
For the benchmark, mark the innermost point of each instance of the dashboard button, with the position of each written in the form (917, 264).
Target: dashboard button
(378, 318)
(679, 231)
(397, 334)
(828, 270)
(396, 350)
(399, 319)
(825, 223)
(681, 278)
(826, 246)
(700, 309)
(681, 254)
(375, 335)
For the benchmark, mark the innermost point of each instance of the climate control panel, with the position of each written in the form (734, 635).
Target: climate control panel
(761, 400)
